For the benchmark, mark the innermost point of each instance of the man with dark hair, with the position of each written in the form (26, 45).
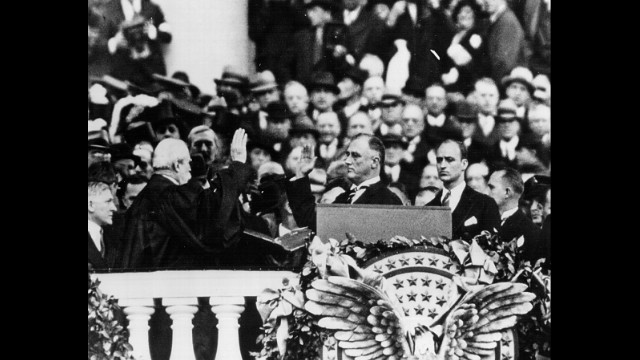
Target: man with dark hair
(364, 159)
(129, 188)
(472, 212)
(506, 188)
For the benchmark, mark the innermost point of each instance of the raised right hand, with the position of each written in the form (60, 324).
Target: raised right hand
(306, 163)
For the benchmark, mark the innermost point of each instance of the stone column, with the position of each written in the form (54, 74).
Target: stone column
(138, 313)
(228, 310)
(182, 311)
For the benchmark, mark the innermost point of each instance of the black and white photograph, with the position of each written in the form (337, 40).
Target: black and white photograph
(319, 179)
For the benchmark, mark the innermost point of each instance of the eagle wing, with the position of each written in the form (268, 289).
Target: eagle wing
(473, 328)
(366, 324)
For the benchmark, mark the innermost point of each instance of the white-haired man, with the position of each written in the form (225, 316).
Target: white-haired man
(100, 212)
(164, 227)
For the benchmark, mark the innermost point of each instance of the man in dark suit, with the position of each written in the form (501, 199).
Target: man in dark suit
(180, 221)
(367, 34)
(364, 160)
(396, 169)
(100, 213)
(506, 187)
(472, 212)
(505, 39)
(503, 152)
(439, 126)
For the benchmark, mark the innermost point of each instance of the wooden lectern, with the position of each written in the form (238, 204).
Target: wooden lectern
(370, 223)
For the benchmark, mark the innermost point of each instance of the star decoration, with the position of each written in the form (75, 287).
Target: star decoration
(505, 342)
(406, 311)
(433, 262)
(426, 281)
(448, 265)
(419, 309)
(399, 296)
(331, 357)
(404, 261)
(398, 284)
(506, 356)
(390, 264)
(411, 296)
(412, 281)
(331, 347)
(440, 301)
(418, 260)
(432, 313)
(378, 268)
(426, 296)
(440, 284)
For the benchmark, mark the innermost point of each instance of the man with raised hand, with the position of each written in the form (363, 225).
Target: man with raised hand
(364, 160)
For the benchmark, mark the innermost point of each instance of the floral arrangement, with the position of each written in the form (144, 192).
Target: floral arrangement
(290, 332)
(108, 340)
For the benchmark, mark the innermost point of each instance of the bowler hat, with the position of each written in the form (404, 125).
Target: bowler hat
(355, 74)
(466, 111)
(304, 127)
(506, 111)
(393, 139)
(278, 111)
(522, 75)
(391, 99)
(263, 81)
(123, 151)
(323, 79)
(328, 5)
(233, 77)
(99, 140)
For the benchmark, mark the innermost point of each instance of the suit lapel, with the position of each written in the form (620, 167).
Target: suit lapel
(94, 255)
(464, 207)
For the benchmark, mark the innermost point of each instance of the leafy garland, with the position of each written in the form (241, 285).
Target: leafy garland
(108, 340)
(293, 331)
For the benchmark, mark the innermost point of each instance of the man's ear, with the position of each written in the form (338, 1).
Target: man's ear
(465, 164)
(91, 207)
(375, 162)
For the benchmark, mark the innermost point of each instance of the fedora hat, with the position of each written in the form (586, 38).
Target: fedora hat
(323, 79)
(393, 139)
(507, 111)
(522, 75)
(278, 111)
(355, 74)
(233, 77)
(466, 111)
(99, 140)
(263, 81)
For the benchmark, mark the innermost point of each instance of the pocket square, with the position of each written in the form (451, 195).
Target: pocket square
(470, 221)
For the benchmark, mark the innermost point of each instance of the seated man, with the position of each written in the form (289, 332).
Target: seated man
(472, 212)
(364, 159)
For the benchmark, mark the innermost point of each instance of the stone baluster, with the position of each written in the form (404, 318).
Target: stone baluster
(138, 313)
(181, 311)
(228, 310)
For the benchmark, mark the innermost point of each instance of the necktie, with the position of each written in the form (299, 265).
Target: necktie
(353, 191)
(445, 199)
(102, 249)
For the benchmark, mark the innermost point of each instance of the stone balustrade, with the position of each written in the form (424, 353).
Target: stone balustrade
(179, 291)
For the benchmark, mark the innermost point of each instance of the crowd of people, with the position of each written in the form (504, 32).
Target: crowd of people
(436, 103)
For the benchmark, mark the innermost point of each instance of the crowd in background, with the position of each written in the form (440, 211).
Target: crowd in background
(412, 73)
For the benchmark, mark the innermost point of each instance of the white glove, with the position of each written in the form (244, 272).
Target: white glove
(459, 55)
(451, 77)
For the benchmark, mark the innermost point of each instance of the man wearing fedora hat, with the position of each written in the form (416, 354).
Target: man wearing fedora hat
(503, 153)
(467, 116)
(392, 105)
(265, 91)
(519, 88)
(233, 86)
(323, 92)
(350, 97)
(99, 146)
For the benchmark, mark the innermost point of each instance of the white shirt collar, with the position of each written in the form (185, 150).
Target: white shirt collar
(351, 109)
(329, 150)
(509, 147)
(456, 194)
(393, 172)
(351, 16)
(394, 129)
(487, 123)
(96, 233)
(360, 189)
(436, 121)
(413, 144)
(508, 213)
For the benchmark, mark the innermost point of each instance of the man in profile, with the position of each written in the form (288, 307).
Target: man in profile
(100, 213)
(506, 188)
(364, 160)
(471, 211)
